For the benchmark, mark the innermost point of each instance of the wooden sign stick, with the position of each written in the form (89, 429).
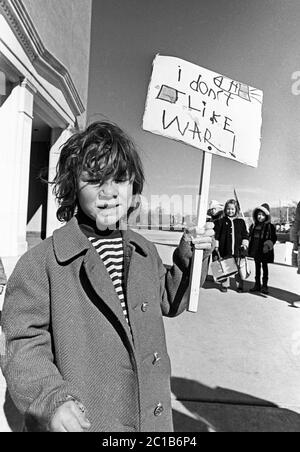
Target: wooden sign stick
(196, 269)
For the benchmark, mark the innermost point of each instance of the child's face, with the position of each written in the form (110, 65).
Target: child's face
(230, 210)
(106, 203)
(261, 217)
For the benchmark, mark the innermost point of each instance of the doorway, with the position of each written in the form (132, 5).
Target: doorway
(38, 190)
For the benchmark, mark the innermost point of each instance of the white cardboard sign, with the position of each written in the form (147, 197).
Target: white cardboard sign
(204, 109)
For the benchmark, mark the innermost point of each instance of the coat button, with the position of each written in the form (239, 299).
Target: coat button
(158, 409)
(144, 306)
(156, 359)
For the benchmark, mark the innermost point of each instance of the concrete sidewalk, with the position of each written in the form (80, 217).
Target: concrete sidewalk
(235, 363)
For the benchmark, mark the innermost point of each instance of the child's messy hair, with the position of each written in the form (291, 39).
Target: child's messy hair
(235, 203)
(104, 152)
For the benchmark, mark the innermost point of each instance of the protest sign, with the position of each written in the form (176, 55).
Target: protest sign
(204, 109)
(210, 112)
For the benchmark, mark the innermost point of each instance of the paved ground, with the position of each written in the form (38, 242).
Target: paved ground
(236, 362)
(238, 358)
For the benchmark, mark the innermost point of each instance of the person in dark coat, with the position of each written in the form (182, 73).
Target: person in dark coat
(261, 246)
(295, 237)
(215, 210)
(231, 237)
(82, 322)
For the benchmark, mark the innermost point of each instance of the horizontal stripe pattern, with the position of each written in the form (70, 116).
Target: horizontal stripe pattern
(112, 254)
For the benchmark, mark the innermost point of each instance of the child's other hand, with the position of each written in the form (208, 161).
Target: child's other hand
(243, 251)
(201, 238)
(69, 417)
(268, 246)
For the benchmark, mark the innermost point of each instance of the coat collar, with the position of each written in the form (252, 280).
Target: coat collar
(69, 241)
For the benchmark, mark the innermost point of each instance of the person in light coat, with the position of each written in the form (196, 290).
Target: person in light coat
(85, 346)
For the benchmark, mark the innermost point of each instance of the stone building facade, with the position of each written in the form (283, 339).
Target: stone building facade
(44, 62)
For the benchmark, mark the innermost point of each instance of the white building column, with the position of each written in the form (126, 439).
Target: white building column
(58, 139)
(16, 116)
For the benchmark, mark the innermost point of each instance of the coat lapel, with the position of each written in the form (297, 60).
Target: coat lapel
(69, 242)
(103, 286)
(139, 279)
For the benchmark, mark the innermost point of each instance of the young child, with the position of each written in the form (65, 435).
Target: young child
(215, 210)
(231, 239)
(82, 318)
(261, 247)
(295, 237)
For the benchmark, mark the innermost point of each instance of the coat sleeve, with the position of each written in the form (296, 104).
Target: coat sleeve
(27, 362)
(245, 234)
(294, 235)
(218, 228)
(295, 230)
(174, 281)
(273, 234)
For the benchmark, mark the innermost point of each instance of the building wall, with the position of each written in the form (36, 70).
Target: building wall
(44, 53)
(64, 27)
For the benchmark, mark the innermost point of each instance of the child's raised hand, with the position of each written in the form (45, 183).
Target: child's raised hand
(201, 238)
(194, 238)
(70, 417)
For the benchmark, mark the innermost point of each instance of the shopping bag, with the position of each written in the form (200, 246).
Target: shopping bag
(224, 268)
(244, 268)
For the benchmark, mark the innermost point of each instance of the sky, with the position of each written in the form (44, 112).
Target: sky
(255, 42)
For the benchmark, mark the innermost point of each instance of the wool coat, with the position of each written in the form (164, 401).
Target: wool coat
(229, 235)
(295, 230)
(267, 234)
(66, 334)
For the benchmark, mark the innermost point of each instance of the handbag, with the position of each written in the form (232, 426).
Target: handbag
(244, 268)
(223, 268)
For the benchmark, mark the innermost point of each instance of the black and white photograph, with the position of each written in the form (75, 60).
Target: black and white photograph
(149, 218)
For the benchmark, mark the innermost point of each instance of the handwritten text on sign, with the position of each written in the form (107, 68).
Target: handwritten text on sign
(204, 109)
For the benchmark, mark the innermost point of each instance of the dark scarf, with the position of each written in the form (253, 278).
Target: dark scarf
(89, 228)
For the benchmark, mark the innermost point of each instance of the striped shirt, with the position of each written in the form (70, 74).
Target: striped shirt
(111, 252)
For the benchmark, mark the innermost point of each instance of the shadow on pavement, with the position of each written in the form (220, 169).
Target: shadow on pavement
(211, 410)
(224, 410)
(284, 265)
(291, 298)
